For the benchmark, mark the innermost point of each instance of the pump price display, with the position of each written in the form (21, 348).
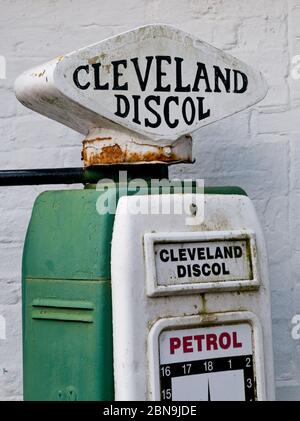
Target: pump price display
(207, 364)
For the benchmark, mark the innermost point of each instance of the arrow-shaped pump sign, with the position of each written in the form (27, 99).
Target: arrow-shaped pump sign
(138, 96)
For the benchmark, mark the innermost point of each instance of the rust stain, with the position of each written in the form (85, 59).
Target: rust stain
(109, 155)
(93, 60)
(107, 67)
(39, 74)
(60, 58)
(114, 154)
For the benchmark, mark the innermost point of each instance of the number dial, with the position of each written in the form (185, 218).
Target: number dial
(208, 368)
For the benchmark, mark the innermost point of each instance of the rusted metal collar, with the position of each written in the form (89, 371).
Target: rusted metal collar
(105, 146)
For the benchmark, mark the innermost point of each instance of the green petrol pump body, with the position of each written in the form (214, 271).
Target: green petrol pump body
(67, 320)
(67, 299)
(66, 294)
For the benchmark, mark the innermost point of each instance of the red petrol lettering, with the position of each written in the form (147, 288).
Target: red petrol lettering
(235, 342)
(187, 344)
(211, 341)
(199, 339)
(225, 340)
(175, 343)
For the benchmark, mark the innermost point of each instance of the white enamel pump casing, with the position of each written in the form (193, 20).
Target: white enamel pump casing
(143, 310)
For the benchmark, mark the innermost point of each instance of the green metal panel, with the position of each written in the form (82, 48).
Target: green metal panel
(68, 353)
(67, 330)
(225, 190)
(67, 322)
(67, 238)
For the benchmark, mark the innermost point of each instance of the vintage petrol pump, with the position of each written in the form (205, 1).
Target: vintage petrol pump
(167, 305)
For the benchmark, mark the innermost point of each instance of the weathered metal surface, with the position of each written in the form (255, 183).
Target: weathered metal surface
(109, 147)
(155, 84)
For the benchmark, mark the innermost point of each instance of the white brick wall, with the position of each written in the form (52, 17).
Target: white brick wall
(259, 149)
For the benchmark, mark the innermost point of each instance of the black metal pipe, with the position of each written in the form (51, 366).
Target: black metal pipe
(89, 175)
(41, 176)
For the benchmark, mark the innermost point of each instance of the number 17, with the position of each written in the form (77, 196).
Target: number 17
(186, 368)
